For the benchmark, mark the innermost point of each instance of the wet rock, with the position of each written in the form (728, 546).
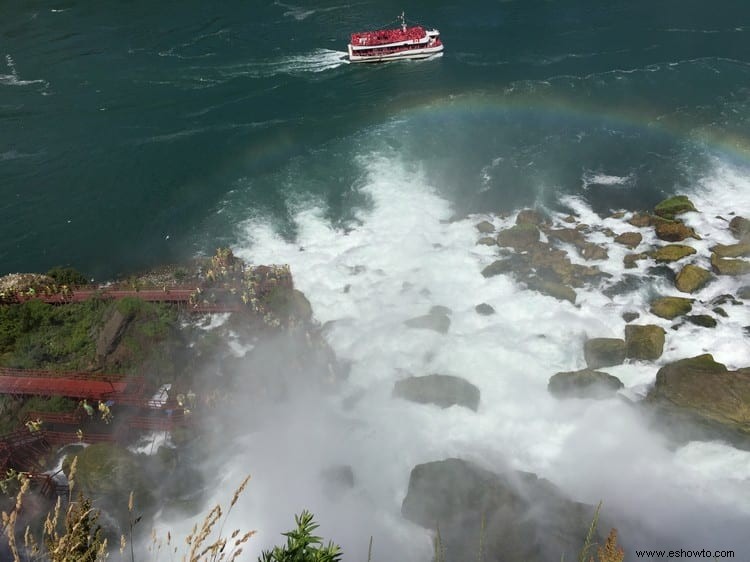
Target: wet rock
(440, 310)
(608, 232)
(641, 220)
(744, 292)
(529, 517)
(662, 271)
(519, 237)
(703, 320)
(629, 239)
(706, 391)
(692, 278)
(437, 322)
(617, 215)
(720, 312)
(674, 231)
(585, 383)
(570, 219)
(498, 267)
(552, 289)
(733, 267)
(673, 206)
(566, 235)
(740, 227)
(603, 352)
(672, 252)
(627, 284)
(725, 299)
(629, 261)
(630, 316)
(485, 227)
(530, 216)
(739, 250)
(644, 341)
(484, 309)
(441, 390)
(487, 241)
(591, 251)
(671, 307)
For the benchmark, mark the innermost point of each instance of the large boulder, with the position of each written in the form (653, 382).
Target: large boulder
(585, 383)
(671, 307)
(731, 267)
(739, 250)
(673, 206)
(566, 235)
(629, 239)
(673, 231)
(740, 227)
(705, 391)
(514, 516)
(591, 251)
(484, 309)
(519, 237)
(603, 352)
(485, 227)
(692, 278)
(441, 390)
(644, 341)
(672, 252)
(530, 216)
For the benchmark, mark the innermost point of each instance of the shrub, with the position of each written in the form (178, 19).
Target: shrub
(67, 276)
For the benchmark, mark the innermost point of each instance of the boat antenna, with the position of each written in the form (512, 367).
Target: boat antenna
(403, 21)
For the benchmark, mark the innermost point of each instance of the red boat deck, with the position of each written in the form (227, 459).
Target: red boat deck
(385, 36)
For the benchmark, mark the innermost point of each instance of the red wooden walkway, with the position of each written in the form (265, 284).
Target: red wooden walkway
(91, 386)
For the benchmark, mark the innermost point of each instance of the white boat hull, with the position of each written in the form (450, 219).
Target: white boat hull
(416, 53)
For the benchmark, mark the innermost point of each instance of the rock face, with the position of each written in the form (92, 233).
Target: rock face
(671, 307)
(673, 206)
(629, 239)
(519, 237)
(603, 352)
(728, 266)
(111, 332)
(692, 278)
(703, 390)
(528, 517)
(441, 390)
(672, 252)
(586, 383)
(644, 341)
(673, 231)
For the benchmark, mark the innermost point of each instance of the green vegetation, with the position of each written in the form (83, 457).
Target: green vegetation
(302, 546)
(67, 276)
(674, 206)
(39, 335)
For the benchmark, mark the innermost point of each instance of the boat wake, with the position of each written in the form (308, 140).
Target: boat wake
(315, 61)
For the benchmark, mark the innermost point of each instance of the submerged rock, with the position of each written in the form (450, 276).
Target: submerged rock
(441, 390)
(526, 518)
(671, 307)
(630, 260)
(673, 206)
(552, 289)
(484, 309)
(740, 227)
(586, 383)
(644, 341)
(498, 267)
(603, 352)
(630, 316)
(438, 322)
(692, 278)
(744, 292)
(703, 320)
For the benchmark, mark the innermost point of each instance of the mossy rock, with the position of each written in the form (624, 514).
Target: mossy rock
(519, 237)
(629, 239)
(732, 267)
(585, 383)
(703, 320)
(672, 252)
(604, 352)
(673, 206)
(109, 472)
(674, 231)
(485, 227)
(692, 278)
(644, 341)
(671, 307)
(739, 250)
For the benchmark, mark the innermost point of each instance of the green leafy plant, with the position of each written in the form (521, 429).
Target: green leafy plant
(302, 545)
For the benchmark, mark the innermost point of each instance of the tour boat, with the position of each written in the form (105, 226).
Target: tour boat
(406, 42)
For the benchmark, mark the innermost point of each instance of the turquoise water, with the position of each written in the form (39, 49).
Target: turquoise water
(137, 133)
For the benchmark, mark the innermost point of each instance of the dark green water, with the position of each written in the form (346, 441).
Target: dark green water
(133, 133)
